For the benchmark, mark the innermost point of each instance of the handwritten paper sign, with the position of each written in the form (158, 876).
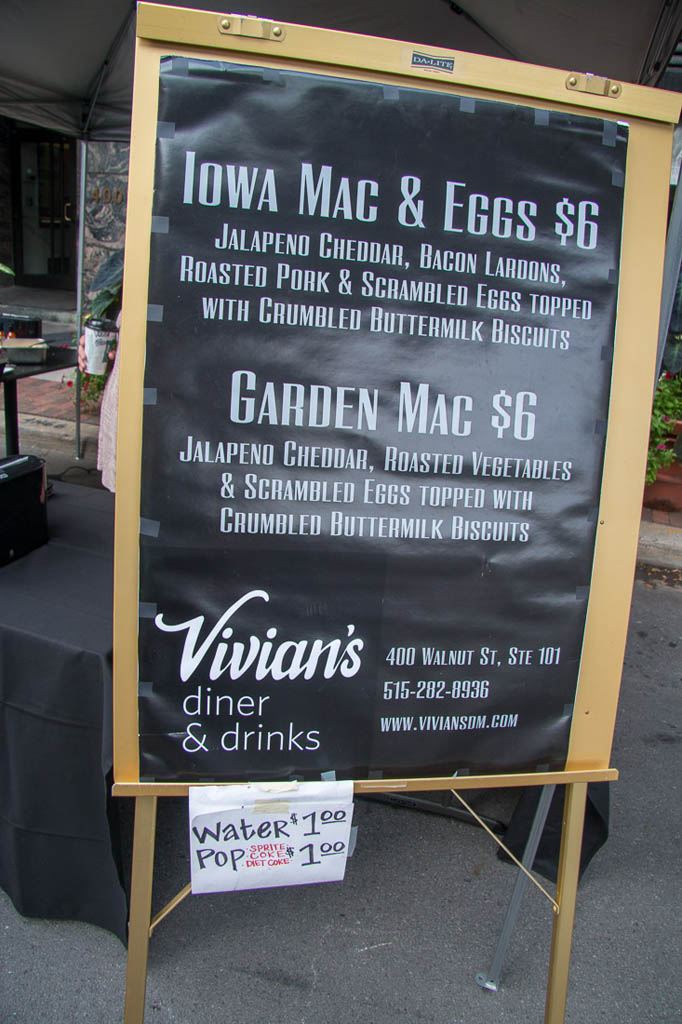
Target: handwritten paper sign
(261, 836)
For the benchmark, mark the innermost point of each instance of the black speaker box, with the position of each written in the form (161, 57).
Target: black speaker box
(23, 506)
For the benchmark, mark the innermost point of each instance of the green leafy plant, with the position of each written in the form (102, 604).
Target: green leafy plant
(6, 270)
(92, 386)
(107, 285)
(667, 410)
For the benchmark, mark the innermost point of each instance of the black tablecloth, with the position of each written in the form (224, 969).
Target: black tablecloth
(56, 846)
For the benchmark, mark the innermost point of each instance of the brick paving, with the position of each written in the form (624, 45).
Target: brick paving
(50, 398)
(654, 515)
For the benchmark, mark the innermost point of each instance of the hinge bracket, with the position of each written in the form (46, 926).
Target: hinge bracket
(594, 84)
(253, 28)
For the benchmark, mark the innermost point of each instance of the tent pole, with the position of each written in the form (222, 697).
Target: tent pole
(83, 150)
(671, 272)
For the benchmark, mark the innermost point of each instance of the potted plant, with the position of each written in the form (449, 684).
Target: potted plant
(664, 469)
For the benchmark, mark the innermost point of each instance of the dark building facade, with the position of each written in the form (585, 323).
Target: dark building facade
(39, 205)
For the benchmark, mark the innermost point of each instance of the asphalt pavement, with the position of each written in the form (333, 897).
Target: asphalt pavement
(418, 914)
(423, 901)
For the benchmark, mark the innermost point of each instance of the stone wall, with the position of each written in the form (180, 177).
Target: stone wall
(105, 206)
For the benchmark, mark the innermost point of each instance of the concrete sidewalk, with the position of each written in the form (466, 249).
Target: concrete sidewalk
(52, 306)
(660, 539)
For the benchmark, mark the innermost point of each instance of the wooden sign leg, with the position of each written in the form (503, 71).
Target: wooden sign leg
(140, 907)
(567, 887)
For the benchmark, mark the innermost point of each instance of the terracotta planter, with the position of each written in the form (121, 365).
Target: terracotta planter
(665, 493)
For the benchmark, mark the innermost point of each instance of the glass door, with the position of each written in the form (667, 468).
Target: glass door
(45, 175)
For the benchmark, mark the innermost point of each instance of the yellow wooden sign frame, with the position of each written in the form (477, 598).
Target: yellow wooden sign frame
(651, 115)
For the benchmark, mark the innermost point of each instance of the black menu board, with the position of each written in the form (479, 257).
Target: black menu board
(377, 374)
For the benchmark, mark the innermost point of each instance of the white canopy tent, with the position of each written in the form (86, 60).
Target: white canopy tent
(68, 64)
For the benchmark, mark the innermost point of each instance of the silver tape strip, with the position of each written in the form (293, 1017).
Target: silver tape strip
(149, 527)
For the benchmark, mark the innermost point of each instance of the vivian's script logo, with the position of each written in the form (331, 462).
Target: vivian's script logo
(268, 657)
(426, 60)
